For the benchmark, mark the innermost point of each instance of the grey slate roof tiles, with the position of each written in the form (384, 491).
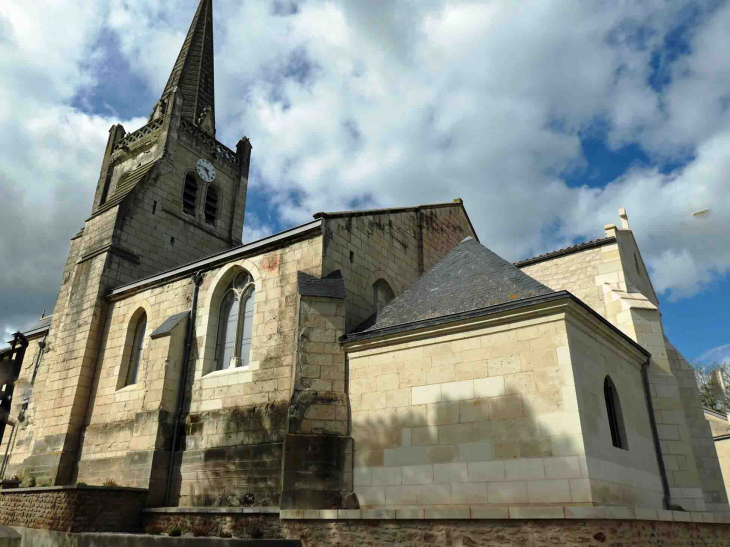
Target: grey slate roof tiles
(332, 286)
(470, 277)
(169, 324)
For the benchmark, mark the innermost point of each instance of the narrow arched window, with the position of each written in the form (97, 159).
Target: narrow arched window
(135, 357)
(235, 323)
(615, 416)
(211, 205)
(190, 194)
(245, 347)
(382, 294)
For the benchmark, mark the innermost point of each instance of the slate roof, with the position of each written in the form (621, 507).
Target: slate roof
(127, 182)
(566, 251)
(169, 324)
(40, 326)
(332, 286)
(470, 277)
(193, 72)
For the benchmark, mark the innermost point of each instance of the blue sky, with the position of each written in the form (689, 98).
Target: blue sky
(545, 117)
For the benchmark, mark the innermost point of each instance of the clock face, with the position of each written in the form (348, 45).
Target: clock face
(206, 170)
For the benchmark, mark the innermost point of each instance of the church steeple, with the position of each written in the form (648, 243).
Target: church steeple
(193, 72)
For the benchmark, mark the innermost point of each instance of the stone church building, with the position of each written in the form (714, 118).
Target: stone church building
(377, 362)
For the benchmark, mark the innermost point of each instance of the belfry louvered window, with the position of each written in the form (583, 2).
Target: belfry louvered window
(235, 323)
(615, 416)
(211, 205)
(190, 194)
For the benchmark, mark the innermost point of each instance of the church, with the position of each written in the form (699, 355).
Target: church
(378, 363)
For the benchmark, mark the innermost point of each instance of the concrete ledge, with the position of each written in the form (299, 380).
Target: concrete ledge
(215, 510)
(488, 512)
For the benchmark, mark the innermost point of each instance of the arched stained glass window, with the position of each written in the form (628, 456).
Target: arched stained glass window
(235, 323)
(135, 357)
(615, 416)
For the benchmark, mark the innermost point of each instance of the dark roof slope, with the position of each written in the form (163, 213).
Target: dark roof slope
(331, 286)
(127, 182)
(470, 277)
(566, 251)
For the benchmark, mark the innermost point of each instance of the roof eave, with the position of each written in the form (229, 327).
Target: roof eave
(492, 310)
(580, 247)
(213, 261)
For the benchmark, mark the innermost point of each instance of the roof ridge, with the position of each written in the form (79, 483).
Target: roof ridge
(598, 242)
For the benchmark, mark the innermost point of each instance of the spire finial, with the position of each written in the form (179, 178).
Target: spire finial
(193, 73)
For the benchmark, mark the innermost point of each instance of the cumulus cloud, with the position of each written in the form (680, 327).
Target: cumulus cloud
(397, 102)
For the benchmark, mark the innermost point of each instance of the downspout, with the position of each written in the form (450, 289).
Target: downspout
(197, 279)
(668, 505)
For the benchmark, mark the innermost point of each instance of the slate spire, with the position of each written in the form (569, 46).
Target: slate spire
(193, 72)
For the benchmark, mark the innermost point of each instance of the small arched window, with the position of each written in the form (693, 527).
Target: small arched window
(135, 357)
(615, 416)
(211, 205)
(382, 294)
(190, 194)
(235, 323)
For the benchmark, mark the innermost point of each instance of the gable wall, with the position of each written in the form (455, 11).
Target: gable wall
(397, 247)
(576, 273)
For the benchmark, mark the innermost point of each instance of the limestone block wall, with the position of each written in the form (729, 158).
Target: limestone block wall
(577, 273)
(394, 246)
(486, 417)
(617, 477)
(723, 454)
(229, 410)
(20, 439)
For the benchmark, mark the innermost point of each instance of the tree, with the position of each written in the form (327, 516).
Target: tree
(711, 380)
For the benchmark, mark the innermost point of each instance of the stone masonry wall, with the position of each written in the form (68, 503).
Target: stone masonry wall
(73, 509)
(617, 477)
(229, 413)
(576, 273)
(455, 533)
(396, 247)
(486, 417)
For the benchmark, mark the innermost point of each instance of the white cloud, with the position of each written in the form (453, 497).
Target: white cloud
(719, 355)
(405, 102)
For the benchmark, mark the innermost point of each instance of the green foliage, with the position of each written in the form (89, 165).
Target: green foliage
(29, 481)
(109, 482)
(81, 484)
(174, 532)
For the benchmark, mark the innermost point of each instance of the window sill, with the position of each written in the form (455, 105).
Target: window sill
(226, 371)
(130, 387)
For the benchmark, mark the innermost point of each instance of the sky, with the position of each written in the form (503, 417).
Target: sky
(544, 116)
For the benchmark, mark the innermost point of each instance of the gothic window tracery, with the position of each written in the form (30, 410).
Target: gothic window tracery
(190, 194)
(235, 323)
(211, 204)
(135, 357)
(615, 416)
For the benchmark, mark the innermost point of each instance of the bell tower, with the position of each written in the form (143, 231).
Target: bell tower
(168, 193)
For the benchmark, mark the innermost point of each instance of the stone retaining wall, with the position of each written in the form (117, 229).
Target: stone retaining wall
(456, 533)
(73, 508)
